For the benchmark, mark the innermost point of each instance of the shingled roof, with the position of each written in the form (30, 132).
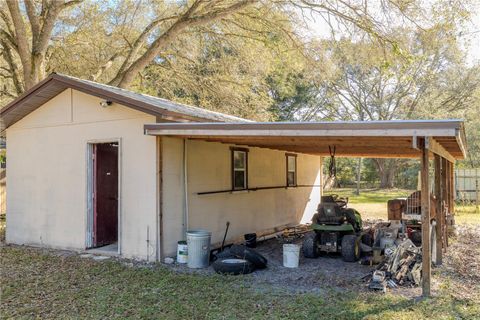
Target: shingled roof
(56, 83)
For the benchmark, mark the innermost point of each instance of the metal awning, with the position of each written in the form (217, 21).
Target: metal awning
(374, 139)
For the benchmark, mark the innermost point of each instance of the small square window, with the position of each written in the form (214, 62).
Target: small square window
(291, 170)
(239, 169)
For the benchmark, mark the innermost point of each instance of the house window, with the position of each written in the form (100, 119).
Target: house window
(291, 170)
(239, 168)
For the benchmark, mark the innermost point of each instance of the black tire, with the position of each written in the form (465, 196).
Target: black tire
(367, 239)
(350, 248)
(233, 266)
(310, 247)
(225, 254)
(242, 252)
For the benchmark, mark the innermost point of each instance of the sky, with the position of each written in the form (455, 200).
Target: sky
(470, 38)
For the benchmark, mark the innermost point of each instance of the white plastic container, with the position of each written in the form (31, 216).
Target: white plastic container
(182, 252)
(198, 246)
(291, 255)
(386, 242)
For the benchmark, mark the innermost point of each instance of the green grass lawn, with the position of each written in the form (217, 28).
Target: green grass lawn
(370, 195)
(372, 204)
(39, 284)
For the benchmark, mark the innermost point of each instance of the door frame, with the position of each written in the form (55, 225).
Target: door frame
(89, 217)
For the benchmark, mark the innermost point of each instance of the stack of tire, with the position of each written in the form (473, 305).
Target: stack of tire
(238, 259)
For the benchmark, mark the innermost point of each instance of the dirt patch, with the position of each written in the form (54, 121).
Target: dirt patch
(324, 273)
(462, 262)
(319, 275)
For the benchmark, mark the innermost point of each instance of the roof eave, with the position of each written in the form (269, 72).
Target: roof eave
(99, 92)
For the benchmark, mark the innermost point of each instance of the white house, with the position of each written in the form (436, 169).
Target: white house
(83, 172)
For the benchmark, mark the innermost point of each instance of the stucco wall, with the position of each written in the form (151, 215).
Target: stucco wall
(208, 169)
(47, 173)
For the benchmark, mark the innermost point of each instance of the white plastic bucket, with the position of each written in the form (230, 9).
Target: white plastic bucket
(182, 252)
(198, 246)
(291, 255)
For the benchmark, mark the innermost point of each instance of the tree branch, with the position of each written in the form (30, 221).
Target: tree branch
(13, 69)
(21, 42)
(34, 22)
(185, 21)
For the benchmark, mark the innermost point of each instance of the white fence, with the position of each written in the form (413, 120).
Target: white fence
(467, 185)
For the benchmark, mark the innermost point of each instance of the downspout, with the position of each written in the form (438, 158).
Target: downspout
(185, 188)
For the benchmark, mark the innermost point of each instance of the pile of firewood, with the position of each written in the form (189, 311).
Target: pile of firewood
(402, 266)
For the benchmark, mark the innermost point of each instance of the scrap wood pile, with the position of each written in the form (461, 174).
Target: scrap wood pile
(295, 232)
(402, 266)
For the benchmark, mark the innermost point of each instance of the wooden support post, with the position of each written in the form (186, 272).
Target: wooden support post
(447, 187)
(439, 211)
(452, 187)
(425, 194)
(444, 174)
(444, 182)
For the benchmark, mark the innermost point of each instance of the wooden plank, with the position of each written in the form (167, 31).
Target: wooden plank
(439, 213)
(438, 149)
(295, 140)
(358, 126)
(425, 194)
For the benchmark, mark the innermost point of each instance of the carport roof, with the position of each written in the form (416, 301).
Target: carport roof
(376, 139)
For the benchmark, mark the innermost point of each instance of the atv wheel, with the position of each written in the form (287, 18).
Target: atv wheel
(310, 247)
(233, 266)
(350, 248)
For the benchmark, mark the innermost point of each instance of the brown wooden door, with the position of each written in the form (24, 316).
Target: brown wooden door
(105, 221)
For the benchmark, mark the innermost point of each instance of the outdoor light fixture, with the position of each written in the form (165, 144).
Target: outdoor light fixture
(105, 103)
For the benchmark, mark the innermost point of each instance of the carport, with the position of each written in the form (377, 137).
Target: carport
(442, 141)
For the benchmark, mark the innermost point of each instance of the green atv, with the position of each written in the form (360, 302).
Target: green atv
(337, 229)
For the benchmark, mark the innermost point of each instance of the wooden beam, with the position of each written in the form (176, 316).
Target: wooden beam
(445, 200)
(294, 132)
(451, 196)
(439, 213)
(425, 200)
(460, 138)
(438, 149)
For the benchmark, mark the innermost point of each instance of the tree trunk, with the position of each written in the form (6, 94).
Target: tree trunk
(359, 175)
(386, 170)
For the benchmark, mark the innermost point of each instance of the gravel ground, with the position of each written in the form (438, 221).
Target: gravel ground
(313, 275)
(324, 273)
